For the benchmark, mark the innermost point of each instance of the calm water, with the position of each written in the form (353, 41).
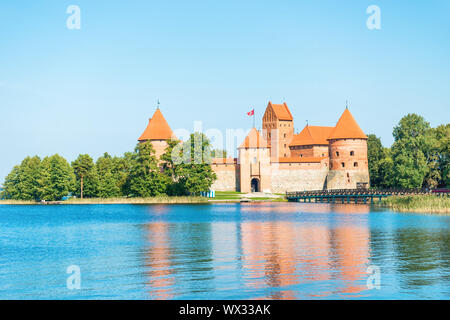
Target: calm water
(222, 251)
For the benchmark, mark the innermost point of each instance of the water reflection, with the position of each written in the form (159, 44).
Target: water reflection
(159, 261)
(222, 251)
(270, 258)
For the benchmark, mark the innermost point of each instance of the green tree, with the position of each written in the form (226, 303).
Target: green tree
(386, 170)
(375, 154)
(192, 166)
(10, 190)
(56, 178)
(167, 159)
(109, 185)
(22, 182)
(218, 153)
(409, 151)
(124, 166)
(84, 167)
(442, 136)
(146, 179)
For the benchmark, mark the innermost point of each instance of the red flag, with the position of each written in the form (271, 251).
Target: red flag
(251, 113)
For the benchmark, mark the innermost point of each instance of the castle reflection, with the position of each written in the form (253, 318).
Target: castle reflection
(271, 258)
(158, 259)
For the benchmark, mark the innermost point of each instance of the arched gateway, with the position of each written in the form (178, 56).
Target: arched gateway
(255, 185)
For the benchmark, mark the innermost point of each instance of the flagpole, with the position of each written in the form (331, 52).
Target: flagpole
(254, 118)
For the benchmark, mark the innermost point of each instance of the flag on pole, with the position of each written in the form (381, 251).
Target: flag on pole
(251, 113)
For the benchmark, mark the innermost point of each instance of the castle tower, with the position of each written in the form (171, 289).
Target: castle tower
(278, 130)
(348, 155)
(158, 132)
(254, 162)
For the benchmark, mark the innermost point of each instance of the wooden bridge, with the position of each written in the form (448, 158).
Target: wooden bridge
(354, 195)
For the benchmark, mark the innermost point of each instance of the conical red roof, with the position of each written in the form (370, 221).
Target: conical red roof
(157, 128)
(254, 140)
(347, 128)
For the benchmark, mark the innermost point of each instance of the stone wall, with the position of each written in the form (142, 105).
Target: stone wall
(298, 179)
(338, 179)
(227, 177)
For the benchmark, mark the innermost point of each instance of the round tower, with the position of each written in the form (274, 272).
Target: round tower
(348, 155)
(158, 132)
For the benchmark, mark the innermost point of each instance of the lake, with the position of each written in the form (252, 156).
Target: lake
(223, 251)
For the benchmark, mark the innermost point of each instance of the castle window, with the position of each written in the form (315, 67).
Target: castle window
(343, 164)
(285, 135)
(337, 153)
(285, 155)
(352, 153)
(285, 145)
(348, 175)
(355, 164)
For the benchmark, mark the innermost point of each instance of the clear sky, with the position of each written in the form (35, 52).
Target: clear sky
(92, 90)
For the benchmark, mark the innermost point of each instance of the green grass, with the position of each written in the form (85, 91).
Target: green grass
(123, 200)
(227, 195)
(17, 202)
(422, 204)
(159, 199)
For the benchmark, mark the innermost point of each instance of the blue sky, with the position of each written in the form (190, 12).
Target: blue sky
(92, 90)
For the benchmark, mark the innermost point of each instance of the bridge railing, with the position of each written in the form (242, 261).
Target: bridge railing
(356, 192)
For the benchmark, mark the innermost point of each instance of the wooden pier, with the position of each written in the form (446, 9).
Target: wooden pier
(350, 195)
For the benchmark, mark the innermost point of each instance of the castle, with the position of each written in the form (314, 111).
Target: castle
(276, 160)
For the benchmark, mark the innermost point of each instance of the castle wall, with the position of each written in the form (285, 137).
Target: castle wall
(309, 151)
(227, 177)
(320, 151)
(302, 151)
(298, 177)
(337, 179)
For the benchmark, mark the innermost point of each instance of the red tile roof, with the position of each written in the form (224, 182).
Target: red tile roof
(347, 128)
(301, 160)
(281, 111)
(157, 128)
(312, 135)
(254, 140)
(224, 161)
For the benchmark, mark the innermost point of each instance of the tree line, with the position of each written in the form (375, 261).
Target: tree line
(135, 174)
(418, 158)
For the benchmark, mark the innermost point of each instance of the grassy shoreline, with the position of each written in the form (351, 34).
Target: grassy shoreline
(221, 197)
(416, 203)
(152, 200)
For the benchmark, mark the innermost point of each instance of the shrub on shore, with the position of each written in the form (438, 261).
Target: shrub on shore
(423, 204)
